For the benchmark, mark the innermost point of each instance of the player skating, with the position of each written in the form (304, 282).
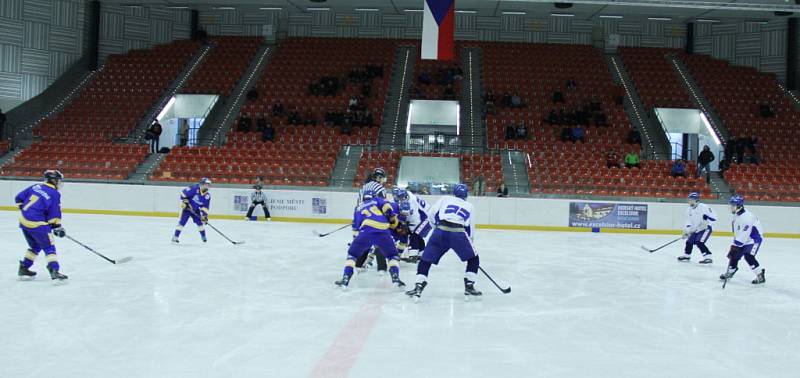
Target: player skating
(699, 218)
(747, 239)
(372, 220)
(418, 224)
(195, 202)
(365, 261)
(453, 217)
(258, 198)
(40, 219)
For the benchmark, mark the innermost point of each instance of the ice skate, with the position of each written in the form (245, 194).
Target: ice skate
(759, 278)
(24, 273)
(684, 258)
(58, 278)
(396, 281)
(175, 240)
(417, 291)
(729, 274)
(343, 282)
(706, 260)
(469, 290)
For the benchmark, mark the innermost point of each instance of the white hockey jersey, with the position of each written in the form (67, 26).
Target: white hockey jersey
(454, 210)
(746, 229)
(419, 210)
(699, 218)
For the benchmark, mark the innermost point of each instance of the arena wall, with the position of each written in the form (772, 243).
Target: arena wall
(337, 207)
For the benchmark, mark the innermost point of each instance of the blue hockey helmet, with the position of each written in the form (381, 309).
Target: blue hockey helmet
(460, 191)
(399, 194)
(737, 203)
(694, 196)
(53, 177)
(205, 180)
(367, 194)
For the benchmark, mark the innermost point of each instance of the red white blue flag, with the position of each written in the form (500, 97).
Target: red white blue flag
(438, 27)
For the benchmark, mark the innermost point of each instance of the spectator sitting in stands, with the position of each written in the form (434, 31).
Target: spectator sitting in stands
(347, 124)
(490, 108)
(558, 96)
(261, 122)
(577, 134)
(634, 137)
(353, 103)
(425, 78)
(502, 190)
(449, 92)
(600, 119)
(522, 132)
(516, 101)
(267, 133)
(510, 132)
(612, 159)
(368, 119)
(245, 122)
(678, 169)
(294, 117)
(506, 100)
(309, 120)
(571, 84)
(552, 117)
(766, 110)
(632, 160)
(724, 164)
(740, 147)
(566, 134)
(750, 143)
(703, 160)
(252, 95)
(278, 110)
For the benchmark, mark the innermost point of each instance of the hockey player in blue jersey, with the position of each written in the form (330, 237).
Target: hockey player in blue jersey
(453, 216)
(699, 218)
(372, 220)
(40, 219)
(378, 191)
(195, 202)
(747, 239)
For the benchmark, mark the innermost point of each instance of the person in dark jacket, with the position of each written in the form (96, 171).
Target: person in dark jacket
(703, 160)
(502, 190)
(154, 134)
(2, 123)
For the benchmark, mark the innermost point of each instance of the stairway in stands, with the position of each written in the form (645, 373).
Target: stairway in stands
(515, 172)
(393, 126)
(654, 140)
(698, 98)
(473, 130)
(346, 167)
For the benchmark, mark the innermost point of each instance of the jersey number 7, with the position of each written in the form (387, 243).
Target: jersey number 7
(461, 212)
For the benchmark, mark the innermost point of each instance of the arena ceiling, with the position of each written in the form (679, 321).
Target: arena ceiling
(676, 10)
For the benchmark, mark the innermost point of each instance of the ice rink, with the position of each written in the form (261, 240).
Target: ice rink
(582, 305)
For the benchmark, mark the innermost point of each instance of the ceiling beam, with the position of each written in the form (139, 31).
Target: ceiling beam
(685, 4)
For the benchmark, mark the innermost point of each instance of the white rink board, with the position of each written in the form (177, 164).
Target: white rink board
(524, 212)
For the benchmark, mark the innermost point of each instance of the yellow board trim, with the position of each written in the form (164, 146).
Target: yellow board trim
(348, 221)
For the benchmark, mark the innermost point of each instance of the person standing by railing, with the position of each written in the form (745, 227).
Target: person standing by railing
(704, 161)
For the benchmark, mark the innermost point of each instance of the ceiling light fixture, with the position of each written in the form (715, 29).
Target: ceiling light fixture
(271, 8)
(659, 18)
(317, 9)
(466, 11)
(412, 10)
(706, 20)
(562, 14)
(225, 8)
(367, 10)
(609, 16)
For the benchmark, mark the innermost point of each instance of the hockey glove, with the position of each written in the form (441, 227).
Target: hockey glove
(204, 218)
(59, 231)
(685, 235)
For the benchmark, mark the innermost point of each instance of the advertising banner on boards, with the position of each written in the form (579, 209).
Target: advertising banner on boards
(608, 215)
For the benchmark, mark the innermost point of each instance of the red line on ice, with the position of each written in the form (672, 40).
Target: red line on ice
(344, 351)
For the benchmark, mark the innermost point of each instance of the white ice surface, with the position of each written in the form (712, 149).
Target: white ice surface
(583, 305)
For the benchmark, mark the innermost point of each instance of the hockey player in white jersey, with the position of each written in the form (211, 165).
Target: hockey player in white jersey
(699, 218)
(747, 239)
(418, 224)
(453, 216)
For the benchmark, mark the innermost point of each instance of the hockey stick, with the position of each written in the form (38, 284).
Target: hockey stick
(653, 250)
(505, 291)
(120, 261)
(223, 235)
(214, 228)
(328, 233)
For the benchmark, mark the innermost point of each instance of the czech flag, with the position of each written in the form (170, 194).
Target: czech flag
(438, 26)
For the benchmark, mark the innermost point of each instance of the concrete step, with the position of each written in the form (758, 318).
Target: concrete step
(515, 172)
(346, 167)
(148, 166)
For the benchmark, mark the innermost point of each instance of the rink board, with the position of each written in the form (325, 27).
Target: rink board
(336, 207)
